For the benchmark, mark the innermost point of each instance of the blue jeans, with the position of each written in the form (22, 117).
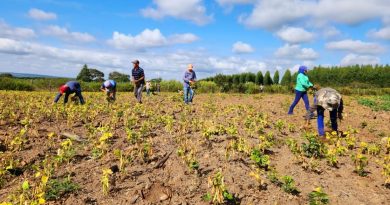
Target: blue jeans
(148, 91)
(138, 92)
(188, 94)
(298, 96)
(320, 120)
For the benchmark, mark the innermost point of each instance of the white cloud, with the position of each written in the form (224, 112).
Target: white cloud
(240, 47)
(234, 65)
(39, 58)
(11, 46)
(66, 35)
(191, 10)
(233, 2)
(41, 15)
(148, 39)
(383, 33)
(183, 38)
(330, 32)
(67, 55)
(355, 46)
(15, 32)
(353, 59)
(273, 14)
(295, 35)
(296, 52)
(351, 11)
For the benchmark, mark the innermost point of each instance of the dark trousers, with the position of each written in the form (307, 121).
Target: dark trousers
(298, 96)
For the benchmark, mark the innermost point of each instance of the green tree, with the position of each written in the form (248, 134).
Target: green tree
(236, 79)
(286, 79)
(119, 77)
(250, 77)
(276, 77)
(96, 75)
(84, 74)
(259, 78)
(6, 75)
(267, 78)
(242, 78)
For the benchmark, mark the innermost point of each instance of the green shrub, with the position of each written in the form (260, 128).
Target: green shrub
(207, 87)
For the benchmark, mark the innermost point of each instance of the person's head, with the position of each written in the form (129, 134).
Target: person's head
(135, 63)
(302, 69)
(63, 89)
(190, 67)
(332, 102)
(107, 84)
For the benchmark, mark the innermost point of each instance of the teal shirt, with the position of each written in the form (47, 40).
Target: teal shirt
(303, 83)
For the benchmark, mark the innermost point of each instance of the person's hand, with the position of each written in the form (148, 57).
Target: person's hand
(340, 116)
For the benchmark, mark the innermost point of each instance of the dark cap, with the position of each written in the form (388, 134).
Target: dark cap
(135, 61)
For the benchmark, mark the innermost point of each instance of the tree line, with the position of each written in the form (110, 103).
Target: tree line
(357, 76)
(93, 75)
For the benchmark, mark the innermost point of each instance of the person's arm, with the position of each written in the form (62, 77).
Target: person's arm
(66, 97)
(185, 78)
(58, 96)
(194, 77)
(102, 88)
(142, 77)
(340, 109)
(304, 80)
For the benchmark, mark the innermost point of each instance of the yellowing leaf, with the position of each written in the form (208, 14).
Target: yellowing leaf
(44, 179)
(25, 185)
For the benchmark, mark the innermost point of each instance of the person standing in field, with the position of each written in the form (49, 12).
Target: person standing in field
(158, 87)
(109, 87)
(301, 87)
(148, 85)
(189, 79)
(261, 88)
(138, 79)
(70, 88)
(326, 99)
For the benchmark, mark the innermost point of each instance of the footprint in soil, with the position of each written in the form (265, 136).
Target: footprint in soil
(3, 148)
(15, 171)
(158, 193)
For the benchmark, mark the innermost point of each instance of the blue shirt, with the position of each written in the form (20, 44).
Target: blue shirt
(188, 76)
(137, 74)
(112, 84)
(73, 86)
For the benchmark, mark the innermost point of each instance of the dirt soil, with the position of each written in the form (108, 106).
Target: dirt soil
(163, 128)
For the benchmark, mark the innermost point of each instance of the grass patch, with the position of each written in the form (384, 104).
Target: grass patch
(377, 103)
(58, 188)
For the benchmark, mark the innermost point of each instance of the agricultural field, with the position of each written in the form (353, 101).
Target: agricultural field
(223, 149)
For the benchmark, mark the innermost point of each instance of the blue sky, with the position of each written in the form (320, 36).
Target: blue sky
(56, 37)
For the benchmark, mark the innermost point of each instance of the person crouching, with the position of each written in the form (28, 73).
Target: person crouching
(70, 88)
(326, 99)
(109, 87)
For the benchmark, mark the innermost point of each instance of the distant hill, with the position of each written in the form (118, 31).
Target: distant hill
(28, 75)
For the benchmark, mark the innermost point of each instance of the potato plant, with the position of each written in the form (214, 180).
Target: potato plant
(125, 148)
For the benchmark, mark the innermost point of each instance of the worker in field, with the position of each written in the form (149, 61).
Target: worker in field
(189, 79)
(70, 88)
(109, 87)
(326, 99)
(301, 87)
(148, 87)
(138, 79)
